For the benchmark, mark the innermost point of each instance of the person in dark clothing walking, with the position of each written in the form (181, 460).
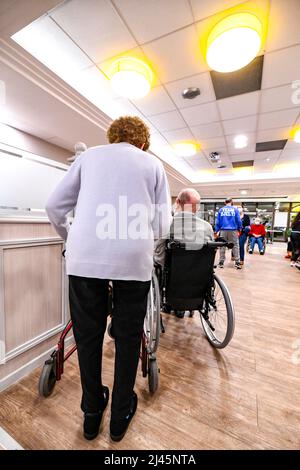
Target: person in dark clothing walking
(105, 243)
(244, 233)
(295, 239)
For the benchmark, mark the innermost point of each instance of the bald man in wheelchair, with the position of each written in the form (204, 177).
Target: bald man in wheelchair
(187, 227)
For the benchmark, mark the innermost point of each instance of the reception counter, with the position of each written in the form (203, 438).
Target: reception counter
(33, 294)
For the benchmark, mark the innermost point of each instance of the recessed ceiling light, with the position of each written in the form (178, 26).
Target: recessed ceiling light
(234, 42)
(131, 77)
(243, 192)
(268, 159)
(297, 136)
(185, 149)
(240, 141)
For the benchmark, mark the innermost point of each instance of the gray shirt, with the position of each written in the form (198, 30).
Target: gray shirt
(187, 228)
(122, 203)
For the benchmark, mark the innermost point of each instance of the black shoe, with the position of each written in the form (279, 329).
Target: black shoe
(237, 265)
(179, 313)
(92, 421)
(118, 428)
(166, 308)
(261, 252)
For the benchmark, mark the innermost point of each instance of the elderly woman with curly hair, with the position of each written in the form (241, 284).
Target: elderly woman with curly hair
(122, 203)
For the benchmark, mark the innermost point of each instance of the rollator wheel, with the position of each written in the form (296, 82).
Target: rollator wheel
(217, 315)
(47, 378)
(153, 375)
(110, 331)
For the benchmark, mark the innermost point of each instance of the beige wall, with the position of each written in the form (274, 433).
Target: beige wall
(29, 143)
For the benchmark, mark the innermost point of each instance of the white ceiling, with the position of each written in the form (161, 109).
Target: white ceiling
(82, 37)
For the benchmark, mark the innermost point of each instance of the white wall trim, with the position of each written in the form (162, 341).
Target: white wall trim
(24, 370)
(33, 342)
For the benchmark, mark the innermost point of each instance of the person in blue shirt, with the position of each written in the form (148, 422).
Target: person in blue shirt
(228, 224)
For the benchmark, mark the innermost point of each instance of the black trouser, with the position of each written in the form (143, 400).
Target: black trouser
(295, 241)
(88, 308)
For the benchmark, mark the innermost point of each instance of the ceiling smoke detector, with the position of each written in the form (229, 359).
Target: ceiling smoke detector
(190, 93)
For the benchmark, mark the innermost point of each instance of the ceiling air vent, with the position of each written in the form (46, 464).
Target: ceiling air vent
(243, 164)
(271, 145)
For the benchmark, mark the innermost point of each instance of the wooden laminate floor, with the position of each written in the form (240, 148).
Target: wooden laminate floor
(244, 397)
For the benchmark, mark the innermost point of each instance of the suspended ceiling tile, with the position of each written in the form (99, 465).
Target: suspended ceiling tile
(291, 144)
(62, 56)
(239, 106)
(95, 26)
(179, 135)
(233, 151)
(263, 168)
(266, 156)
(213, 144)
(206, 131)
(201, 81)
(249, 149)
(204, 8)
(177, 55)
(201, 114)
(242, 81)
(273, 134)
(156, 102)
(242, 157)
(285, 118)
(281, 67)
(168, 121)
(270, 146)
(154, 18)
(291, 154)
(278, 98)
(240, 126)
(283, 28)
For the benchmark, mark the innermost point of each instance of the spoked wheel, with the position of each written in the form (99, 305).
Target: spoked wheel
(152, 323)
(217, 315)
(153, 375)
(47, 378)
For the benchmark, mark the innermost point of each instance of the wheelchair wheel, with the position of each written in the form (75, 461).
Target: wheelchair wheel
(217, 315)
(47, 378)
(153, 375)
(152, 319)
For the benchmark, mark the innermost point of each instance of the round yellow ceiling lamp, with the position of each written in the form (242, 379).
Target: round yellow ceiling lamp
(131, 77)
(234, 42)
(185, 149)
(297, 136)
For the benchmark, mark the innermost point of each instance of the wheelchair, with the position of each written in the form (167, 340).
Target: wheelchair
(190, 283)
(264, 244)
(53, 368)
